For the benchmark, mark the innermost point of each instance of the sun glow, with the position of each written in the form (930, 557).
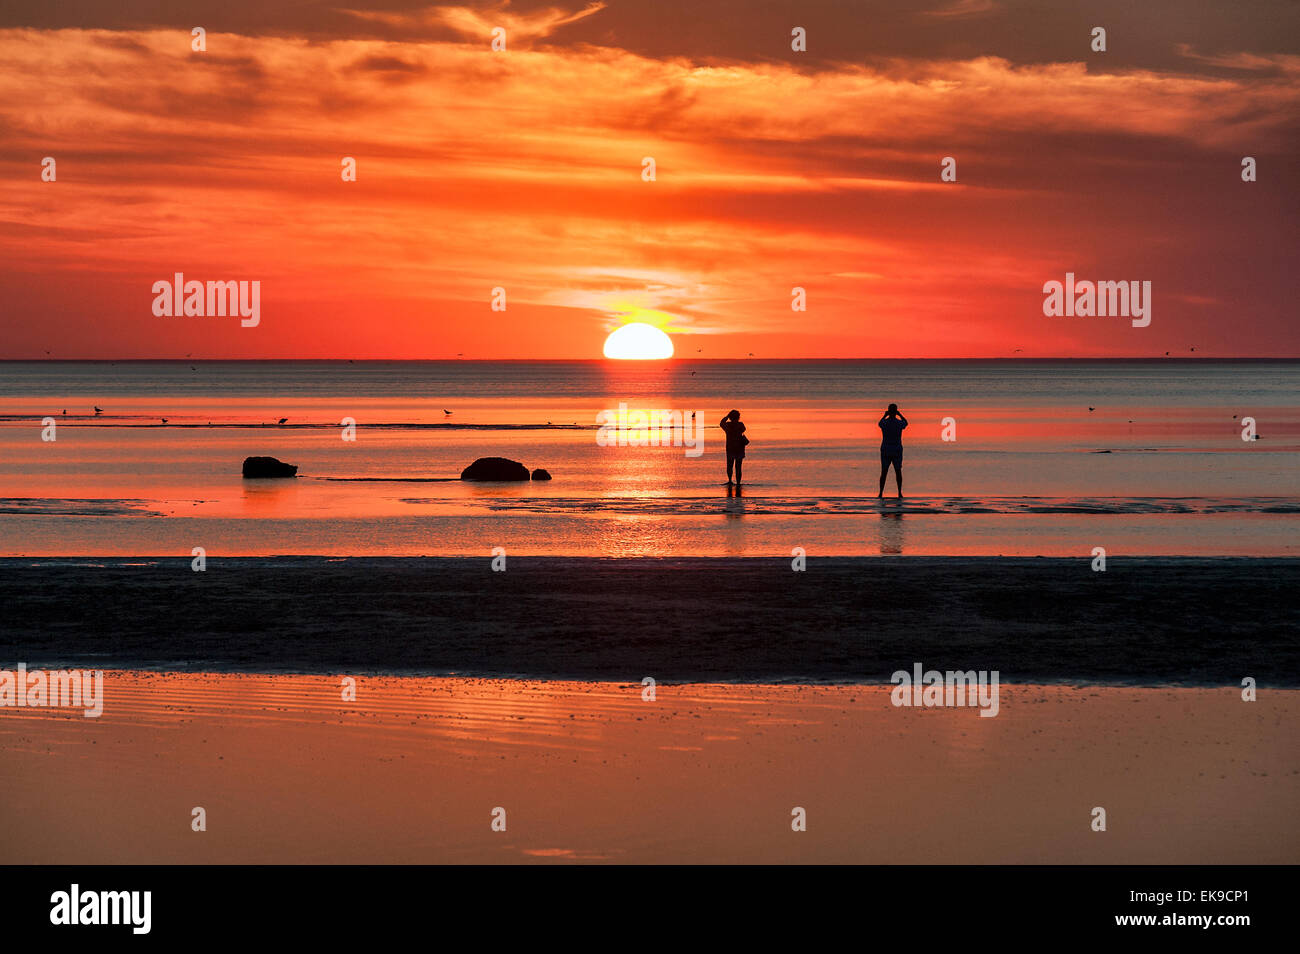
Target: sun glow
(638, 341)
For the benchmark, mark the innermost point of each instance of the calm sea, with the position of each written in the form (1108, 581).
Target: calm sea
(1046, 458)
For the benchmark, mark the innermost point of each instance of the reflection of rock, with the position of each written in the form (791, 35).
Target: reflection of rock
(268, 467)
(540, 474)
(494, 468)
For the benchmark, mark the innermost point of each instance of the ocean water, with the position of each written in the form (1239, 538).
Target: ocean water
(1049, 458)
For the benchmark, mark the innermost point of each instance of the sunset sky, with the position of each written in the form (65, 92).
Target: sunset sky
(522, 169)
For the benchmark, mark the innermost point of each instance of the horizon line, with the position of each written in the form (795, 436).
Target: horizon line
(645, 362)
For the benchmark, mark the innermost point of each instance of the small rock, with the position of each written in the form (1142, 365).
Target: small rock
(495, 468)
(257, 467)
(540, 474)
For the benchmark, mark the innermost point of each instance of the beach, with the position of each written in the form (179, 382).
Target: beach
(1099, 538)
(380, 710)
(412, 770)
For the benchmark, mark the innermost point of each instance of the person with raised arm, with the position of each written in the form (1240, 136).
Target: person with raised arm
(891, 447)
(736, 441)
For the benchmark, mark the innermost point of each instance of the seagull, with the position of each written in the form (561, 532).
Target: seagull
(164, 420)
(692, 374)
(1018, 350)
(1166, 354)
(99, 410)
(283, 419)
(192, 368)
(698, 350)
(446, 412)
(751, 354)
(1092, 409)
(65, 412)
(1193, 349)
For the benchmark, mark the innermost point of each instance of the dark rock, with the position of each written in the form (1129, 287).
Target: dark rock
(256, 467)
(494, 468)
(540, 474)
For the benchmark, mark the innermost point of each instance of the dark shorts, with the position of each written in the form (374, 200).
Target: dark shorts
(891, 455)
(736, 453)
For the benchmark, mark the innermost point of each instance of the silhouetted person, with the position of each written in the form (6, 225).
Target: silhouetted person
(736, 441)
(891, 447)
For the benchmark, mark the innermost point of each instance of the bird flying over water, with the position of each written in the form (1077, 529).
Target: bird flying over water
(447, 412)
(99, 410)
(283, 419)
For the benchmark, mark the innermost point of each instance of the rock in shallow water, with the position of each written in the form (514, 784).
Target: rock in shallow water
(256, 467)
(495, 468)
(540, 474)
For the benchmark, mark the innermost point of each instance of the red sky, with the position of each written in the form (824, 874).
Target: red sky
(522, 170)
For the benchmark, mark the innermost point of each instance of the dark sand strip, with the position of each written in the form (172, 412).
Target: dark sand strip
(1150, 621)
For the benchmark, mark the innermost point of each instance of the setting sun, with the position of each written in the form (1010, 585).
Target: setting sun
(638, 341)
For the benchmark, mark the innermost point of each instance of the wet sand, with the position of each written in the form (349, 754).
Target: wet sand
(411, 771)
(1206, 622)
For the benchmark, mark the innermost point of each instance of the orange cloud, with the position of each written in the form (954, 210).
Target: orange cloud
(523, 170)
(478, 23)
